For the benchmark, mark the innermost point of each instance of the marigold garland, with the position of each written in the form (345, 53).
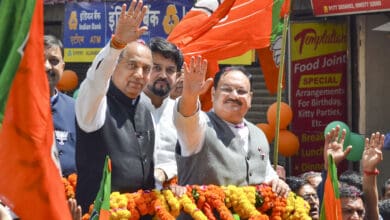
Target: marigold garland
(202, 202)
(173, 202)
(70, 185)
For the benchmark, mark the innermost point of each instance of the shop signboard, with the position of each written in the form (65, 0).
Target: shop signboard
(318, 86)
(342, 7)
(88, 26)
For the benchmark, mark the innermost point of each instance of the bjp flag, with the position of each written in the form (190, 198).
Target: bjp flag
(30, 182)
(101, 208)
(331, 204)
(219, 30)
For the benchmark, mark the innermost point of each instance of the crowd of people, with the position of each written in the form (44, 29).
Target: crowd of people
(139, 104)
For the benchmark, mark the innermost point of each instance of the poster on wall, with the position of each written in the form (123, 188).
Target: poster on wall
(342, 7)
(88, 26)
(318, 87)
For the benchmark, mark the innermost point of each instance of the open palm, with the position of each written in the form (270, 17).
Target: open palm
(372, 154)
(334, 146)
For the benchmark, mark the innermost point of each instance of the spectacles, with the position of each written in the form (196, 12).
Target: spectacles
(169, 70)
(310, 196)
(351, 211)
(228, 90)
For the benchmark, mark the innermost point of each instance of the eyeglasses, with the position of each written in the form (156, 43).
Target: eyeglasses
(169, 70)
(351, 211)
(310, 196)
(228, 90)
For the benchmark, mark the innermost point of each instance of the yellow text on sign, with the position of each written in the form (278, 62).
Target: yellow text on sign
(320, 80)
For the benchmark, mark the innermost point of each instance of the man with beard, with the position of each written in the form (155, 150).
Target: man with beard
(62, 106)
(177, 88)
(167, 62)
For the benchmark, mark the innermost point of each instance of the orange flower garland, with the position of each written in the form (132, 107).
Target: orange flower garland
(70, 185)
(161, 207)
(268, 201)
(215, 196)
(248, 202)
(173, 202)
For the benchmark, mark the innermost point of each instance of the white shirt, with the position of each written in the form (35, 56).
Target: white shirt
(165, 135)
(91, 103)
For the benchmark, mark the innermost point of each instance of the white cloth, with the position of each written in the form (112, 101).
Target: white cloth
(165, 135)
(91, 103)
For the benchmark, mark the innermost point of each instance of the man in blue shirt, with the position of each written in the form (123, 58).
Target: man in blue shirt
(62, 106)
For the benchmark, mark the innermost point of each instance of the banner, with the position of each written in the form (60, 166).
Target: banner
(318, 87)
(89, 26)
(342, 7)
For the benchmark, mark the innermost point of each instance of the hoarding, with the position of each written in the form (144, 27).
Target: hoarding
(342, 7)
(88, 26)
(318, 87)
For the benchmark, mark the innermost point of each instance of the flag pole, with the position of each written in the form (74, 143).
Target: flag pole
(279, 91)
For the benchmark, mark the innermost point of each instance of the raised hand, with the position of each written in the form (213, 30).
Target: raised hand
(334, 146)
(194, 77)
(194, 84)
(128, 27)
(75, 210)
(372, 154)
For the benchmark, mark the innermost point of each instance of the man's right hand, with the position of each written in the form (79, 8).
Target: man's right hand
(194, 84)
(334, 146)
(128, 26)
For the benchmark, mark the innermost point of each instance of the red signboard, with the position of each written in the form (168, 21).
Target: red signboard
(341, 7)
(318, 87)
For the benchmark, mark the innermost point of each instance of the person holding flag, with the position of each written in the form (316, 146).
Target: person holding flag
(346, 202)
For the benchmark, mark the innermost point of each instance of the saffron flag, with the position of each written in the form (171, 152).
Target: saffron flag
(221, 29)
(101, 206)
(30, 182)
(331, 205)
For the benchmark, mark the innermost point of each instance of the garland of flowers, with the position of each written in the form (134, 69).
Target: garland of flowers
(173, 202)
(297, 208)
(161, 207)
(241, 204)
(269, 202)
(70, 185)
(202, 202)
(215, 196)
(118, 206)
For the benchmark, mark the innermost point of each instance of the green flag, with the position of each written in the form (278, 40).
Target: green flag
(15, 20)
(101, 209)
(331, 206)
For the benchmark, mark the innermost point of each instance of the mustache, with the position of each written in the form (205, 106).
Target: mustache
(238, 102)
(51, 73)
(161, 80)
